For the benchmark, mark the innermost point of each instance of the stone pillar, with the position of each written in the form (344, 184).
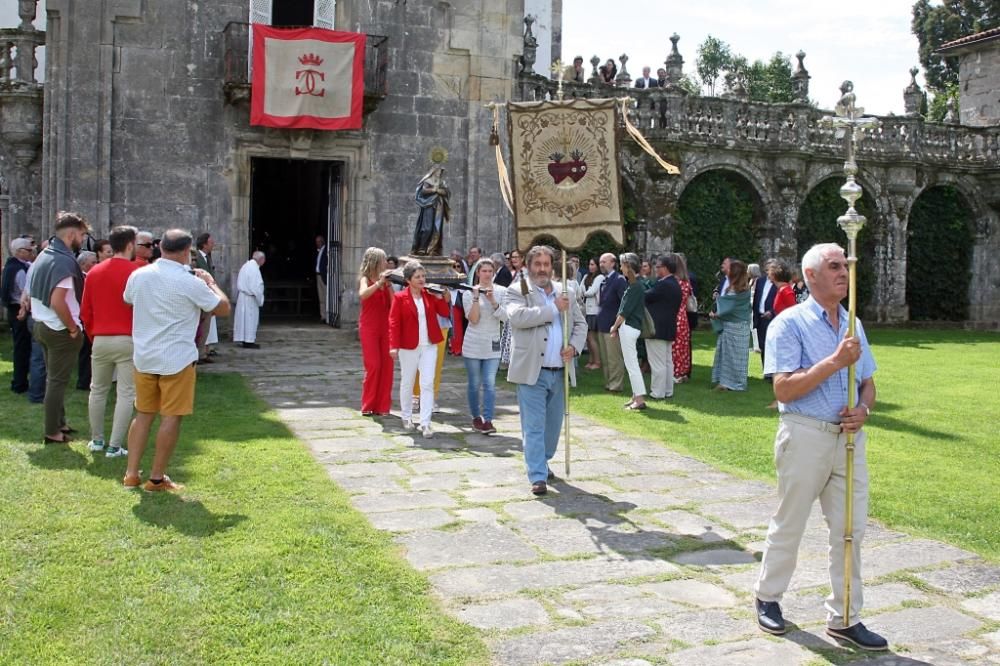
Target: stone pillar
(800, 80)
(889, 300)
(913, 95)
(674, 62)
(984, 289)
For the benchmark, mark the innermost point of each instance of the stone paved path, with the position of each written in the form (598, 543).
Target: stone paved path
(643, 557)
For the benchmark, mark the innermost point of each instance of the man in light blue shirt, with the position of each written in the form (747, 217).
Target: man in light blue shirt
(808, 352)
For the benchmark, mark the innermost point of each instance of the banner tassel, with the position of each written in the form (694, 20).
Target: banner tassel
(506, 191)
(637, 136)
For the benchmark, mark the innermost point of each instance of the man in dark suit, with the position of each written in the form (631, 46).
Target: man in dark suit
(204, 245)
(663, 300)
(646, 81)
(723, 279)
(321, 268)
(661, 78)
(609, 299)
(763, 307)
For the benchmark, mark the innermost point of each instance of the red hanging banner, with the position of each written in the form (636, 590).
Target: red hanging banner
(307, 78)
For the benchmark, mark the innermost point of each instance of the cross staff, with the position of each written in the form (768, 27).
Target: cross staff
(557, 69)
(851, 118)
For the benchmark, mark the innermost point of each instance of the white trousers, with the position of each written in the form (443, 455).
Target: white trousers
(629, 337)
(810, 460)
(661, 368)
(424, 359)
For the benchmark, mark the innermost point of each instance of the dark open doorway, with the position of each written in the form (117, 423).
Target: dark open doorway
(291, 203)
(292, 13)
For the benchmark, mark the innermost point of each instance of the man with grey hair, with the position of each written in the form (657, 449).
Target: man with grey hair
(808, 354)
(143, 248)
(12, 286)
(539, 359)
(249, 299)
(167, 301)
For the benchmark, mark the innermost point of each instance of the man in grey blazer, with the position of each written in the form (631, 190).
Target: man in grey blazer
(538, 359)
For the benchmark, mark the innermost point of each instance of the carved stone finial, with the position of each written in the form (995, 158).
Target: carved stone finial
(800, 80)
(674, 61)
(913, 95)
(951, 117)
(530, 54)
(623, 79)
(595, 76)
(27, 9)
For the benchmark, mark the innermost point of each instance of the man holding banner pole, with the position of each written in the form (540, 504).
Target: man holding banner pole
(539, 359)
(810, 352)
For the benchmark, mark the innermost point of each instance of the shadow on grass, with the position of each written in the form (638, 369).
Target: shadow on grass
(922, 338)
(187, 516)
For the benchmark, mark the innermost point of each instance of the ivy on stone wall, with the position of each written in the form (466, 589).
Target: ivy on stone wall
(818, 224)
(715, 219)
(939, 256)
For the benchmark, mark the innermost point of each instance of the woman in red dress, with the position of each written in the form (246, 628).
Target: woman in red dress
(782, 277)
(682, 343)
(375, 293)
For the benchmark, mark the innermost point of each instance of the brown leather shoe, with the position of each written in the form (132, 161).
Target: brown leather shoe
(539, 488)
(131, 482)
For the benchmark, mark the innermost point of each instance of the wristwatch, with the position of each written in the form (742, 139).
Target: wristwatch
(868, 411)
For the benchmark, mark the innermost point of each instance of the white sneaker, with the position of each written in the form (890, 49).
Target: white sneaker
(116, 452)
(95, 445)
(408, 424)
(437, 408)
(428, 433)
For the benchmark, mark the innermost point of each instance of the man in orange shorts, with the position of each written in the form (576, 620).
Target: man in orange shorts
(167, 301)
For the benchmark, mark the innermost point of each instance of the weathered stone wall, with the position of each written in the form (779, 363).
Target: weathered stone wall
(979, 83)
(138, 130)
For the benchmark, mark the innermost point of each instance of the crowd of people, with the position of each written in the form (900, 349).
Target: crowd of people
(608, 74)
(638, 317)
(132, 312)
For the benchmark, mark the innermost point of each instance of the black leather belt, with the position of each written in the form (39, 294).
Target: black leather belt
(552, 369)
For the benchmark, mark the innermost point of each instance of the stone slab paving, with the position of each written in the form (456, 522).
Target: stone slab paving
(642, 557)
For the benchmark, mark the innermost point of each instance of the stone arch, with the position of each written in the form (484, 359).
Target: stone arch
(940, 241)
(817, 222)
(756, 177)
(720, 212)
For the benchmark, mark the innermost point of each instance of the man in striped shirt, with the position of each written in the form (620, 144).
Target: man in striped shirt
(167, 301)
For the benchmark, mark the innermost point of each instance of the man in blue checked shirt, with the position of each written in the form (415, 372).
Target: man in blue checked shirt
(808, 352)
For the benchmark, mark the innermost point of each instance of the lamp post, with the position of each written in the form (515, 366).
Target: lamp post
(851, 119)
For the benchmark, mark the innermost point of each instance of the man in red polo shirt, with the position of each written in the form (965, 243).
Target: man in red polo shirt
(107, 320)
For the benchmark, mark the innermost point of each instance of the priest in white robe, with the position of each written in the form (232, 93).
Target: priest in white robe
(249, 299)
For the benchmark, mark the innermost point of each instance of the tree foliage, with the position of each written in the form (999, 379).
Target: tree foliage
(769, 81)
(817, 223)
(939, 256)
(938, 24)
(716, 217)
(713, 57)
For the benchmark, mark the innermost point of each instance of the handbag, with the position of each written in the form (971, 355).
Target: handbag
(692, 304)
(648, 325)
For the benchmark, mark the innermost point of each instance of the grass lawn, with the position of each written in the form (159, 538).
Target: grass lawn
(933, 437)
(261, 559)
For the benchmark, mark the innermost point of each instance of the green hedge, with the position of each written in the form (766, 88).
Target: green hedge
(818, 224)
(939, 256)
(716, 218)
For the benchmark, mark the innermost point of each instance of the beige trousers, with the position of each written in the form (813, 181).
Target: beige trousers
(321, 294)
(810, 459)
(111, 352)
(612, 362)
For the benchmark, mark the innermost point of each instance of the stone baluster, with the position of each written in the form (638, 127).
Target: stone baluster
(6, 60)
(530, 48)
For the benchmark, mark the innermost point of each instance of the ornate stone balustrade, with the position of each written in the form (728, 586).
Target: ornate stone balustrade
(20, 92)
(672, 116)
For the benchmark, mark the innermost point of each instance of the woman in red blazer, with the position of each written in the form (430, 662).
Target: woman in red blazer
(376, 294)
(413, 337)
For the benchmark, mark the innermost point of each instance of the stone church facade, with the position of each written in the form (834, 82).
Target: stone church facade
(143, 119)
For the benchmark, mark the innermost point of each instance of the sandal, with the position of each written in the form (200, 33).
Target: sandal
(636, 407)
(52, 440)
